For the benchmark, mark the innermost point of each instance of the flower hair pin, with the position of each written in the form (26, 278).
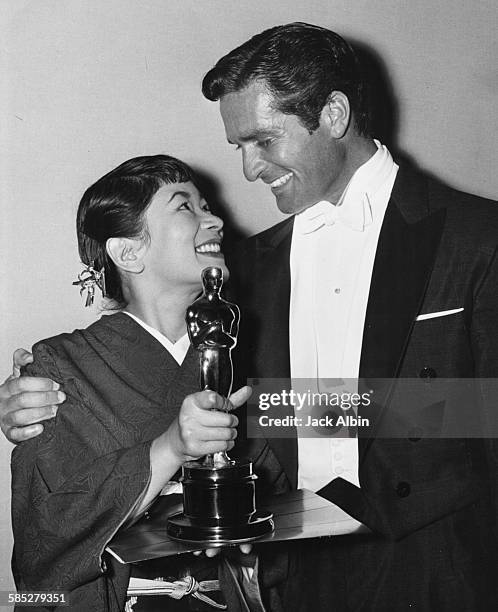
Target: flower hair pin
(87, 280)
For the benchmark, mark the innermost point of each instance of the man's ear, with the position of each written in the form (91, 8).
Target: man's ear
(127, 253)
(337, 113)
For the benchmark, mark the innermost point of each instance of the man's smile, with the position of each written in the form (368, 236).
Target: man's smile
(282, 180)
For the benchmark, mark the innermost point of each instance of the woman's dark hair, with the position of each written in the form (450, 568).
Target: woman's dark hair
(301, 64)
(115, 206)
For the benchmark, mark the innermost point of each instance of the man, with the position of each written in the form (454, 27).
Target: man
(380, 273)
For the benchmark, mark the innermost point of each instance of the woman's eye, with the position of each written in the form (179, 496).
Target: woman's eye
(206, 208)
(185, 206)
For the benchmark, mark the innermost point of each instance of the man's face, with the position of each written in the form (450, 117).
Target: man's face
(300, 168)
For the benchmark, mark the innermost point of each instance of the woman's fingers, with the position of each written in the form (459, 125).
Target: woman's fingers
(240, 396)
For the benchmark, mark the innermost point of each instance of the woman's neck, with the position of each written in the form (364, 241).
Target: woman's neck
(165, 312)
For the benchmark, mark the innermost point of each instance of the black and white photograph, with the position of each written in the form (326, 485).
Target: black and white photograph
(249, 355)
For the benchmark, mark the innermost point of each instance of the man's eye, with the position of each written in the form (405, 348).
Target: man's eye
(206, 208)
(185, 206)
(265, 143)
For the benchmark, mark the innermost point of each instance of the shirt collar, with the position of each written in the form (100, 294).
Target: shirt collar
(354, 208)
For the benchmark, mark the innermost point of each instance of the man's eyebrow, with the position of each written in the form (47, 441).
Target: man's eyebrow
(256, 135)
(182, 194)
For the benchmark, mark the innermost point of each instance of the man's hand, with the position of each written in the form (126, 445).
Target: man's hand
(212, 552)
(26, 401)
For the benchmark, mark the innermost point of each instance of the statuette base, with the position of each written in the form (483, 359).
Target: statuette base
(219, 505)
(185, 530)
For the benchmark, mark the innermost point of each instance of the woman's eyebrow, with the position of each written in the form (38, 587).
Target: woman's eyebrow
(183, 194)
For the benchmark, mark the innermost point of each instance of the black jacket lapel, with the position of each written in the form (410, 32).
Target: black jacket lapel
(261, 279)
(273, 353)
(404, 260)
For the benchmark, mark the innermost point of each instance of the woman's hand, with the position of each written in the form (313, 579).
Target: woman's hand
(203, 427)
(199, 429)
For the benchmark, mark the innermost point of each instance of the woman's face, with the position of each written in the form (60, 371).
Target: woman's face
(185, 237)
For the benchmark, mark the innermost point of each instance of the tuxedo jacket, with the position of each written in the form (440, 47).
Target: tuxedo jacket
(437, 252)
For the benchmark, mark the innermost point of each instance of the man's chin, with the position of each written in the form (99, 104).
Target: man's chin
(285, 205)
(289, 206)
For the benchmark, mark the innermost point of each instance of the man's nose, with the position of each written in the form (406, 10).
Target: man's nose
(252, 164)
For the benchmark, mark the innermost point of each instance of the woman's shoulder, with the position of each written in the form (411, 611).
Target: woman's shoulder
(79, 344)
(106, 326)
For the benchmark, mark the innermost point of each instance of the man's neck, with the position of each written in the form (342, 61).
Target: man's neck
(358, 151)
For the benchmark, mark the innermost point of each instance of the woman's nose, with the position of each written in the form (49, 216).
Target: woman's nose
(212, 221)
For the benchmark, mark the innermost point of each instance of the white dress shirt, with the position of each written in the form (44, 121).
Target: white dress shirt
(331, 261)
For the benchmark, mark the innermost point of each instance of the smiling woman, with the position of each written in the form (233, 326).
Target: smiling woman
(185, 237)
(143, 222)
(132, 416)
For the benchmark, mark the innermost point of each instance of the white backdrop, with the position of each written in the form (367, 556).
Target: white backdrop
(87, 84)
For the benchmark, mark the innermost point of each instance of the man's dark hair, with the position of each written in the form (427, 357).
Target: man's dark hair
(301, 64)
(115, 206)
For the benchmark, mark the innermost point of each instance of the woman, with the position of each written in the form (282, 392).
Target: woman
(132, 416)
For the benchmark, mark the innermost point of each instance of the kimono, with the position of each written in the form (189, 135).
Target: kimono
(74, 486)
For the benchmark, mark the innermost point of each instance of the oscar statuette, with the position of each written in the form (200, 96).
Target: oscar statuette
(218, 492)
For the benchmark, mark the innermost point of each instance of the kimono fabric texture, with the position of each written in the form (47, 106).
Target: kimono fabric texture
(74, 486)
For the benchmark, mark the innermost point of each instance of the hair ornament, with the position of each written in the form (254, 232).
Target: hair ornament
(88, 278)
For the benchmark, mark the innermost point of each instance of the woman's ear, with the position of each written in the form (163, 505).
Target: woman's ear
(127, 253)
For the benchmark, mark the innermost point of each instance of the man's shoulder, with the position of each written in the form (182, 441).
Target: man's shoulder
(468, 216)
(450, 197)
(464, 212)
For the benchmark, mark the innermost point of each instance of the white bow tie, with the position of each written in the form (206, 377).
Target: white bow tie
(356, 217)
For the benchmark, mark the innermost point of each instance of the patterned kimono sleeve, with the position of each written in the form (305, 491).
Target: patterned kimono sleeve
(73, 487)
